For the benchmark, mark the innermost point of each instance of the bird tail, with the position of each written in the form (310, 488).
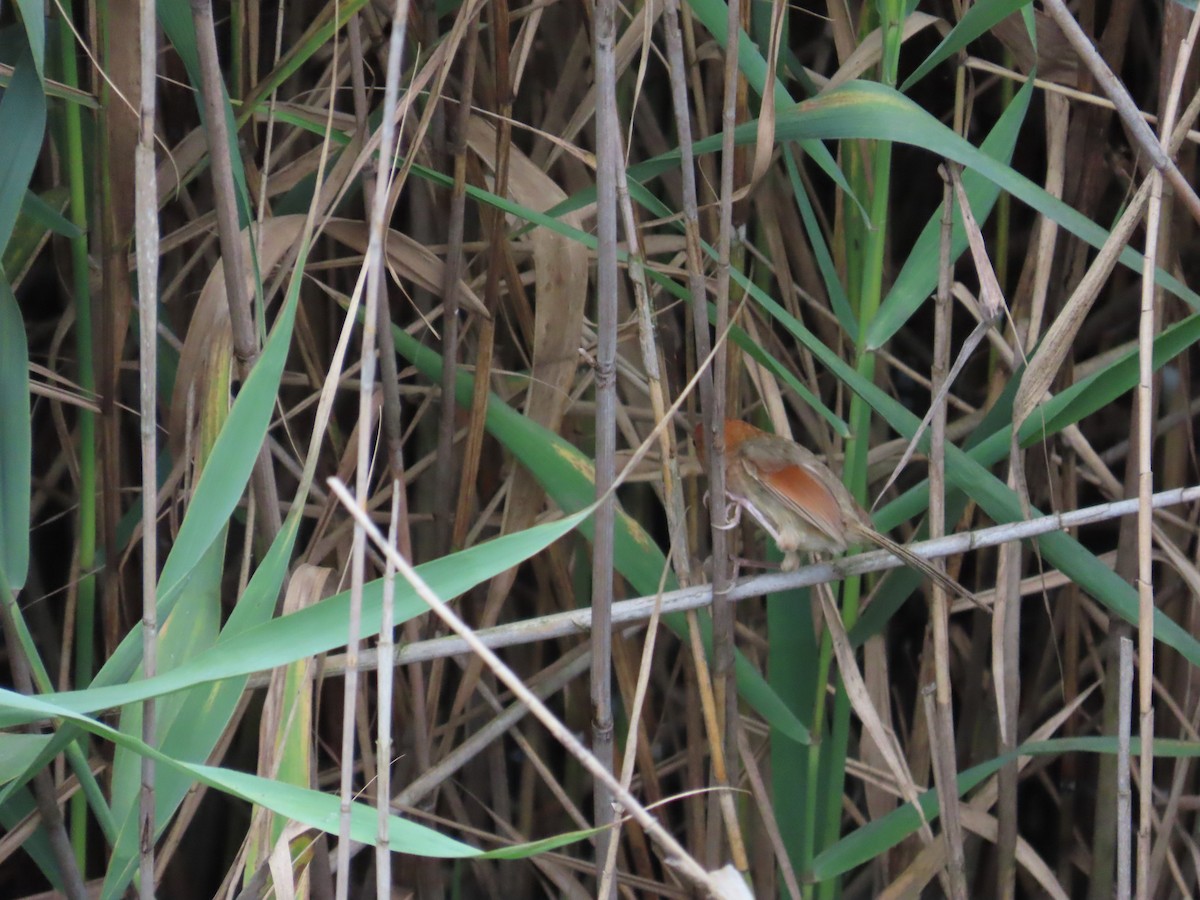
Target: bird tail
(922, 565)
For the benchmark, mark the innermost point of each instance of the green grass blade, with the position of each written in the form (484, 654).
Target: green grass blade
(23, 124)
(791, 672)
(714, 15)
(1068, 407)
(33, 16)
(183, 728)
(319, 628)
(302, 805)
(221, 483)
(918, 276)
(315, 38)
(977, 21)
(868, 111)
(17, 751)
(871, 111)
(875, 838)
(39, 217)
(47, 212)
(14, 440)
(838, 301)
(1093, 393)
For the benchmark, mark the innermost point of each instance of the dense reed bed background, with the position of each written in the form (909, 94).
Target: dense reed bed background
(489, 259)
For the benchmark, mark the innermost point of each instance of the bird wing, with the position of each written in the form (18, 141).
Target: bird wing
(797, 485)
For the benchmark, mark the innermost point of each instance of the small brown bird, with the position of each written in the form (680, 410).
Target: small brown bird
(799, 502)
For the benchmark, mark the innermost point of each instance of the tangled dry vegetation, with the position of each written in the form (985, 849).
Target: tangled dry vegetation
(492, 258)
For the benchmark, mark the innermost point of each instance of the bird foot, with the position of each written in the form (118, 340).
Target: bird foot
(733, 516)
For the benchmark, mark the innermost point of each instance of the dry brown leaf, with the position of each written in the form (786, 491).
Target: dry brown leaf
(879, 800)
(410, 259)
(286, 721)
(208, 338)
(560, 266)
(1061, 335)
(560, 296)
(1055, 58)
(870, 50)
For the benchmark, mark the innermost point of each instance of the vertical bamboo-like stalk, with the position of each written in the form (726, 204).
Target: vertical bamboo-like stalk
(714, 431)
(85, 616)
(941, 725)
(1177, 42)
(870, 292)
(1145, 526)
(495, 234)
(1124, 795)
(607, 148)
(492, 220)
(1006, 673)
(385, 678)
(146, 235)
(1145, 447)
(398, 529)
(388, 373)
(446, 514)
(245, 335)
(723, 614)
(374, 266)
(725, 742)
(113, 211)
(673, 504)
